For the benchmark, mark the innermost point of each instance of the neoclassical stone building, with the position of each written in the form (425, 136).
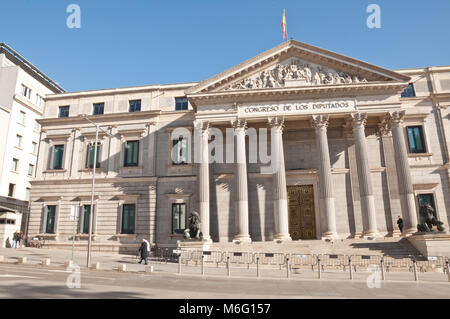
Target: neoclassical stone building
(351, 147)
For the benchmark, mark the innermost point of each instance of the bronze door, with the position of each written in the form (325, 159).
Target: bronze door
(302, 222)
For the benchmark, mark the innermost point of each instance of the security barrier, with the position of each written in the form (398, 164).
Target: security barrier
(317, 263)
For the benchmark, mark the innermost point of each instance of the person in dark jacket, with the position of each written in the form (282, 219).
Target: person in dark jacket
(400, 224)
(16, 240)
(144, 251)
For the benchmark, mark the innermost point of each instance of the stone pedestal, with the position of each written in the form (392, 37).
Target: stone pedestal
(431, 244)
(194, 245)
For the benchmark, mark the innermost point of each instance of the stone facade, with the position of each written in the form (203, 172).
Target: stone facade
(348, 139)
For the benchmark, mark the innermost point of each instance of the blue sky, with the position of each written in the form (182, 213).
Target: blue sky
(136, 42)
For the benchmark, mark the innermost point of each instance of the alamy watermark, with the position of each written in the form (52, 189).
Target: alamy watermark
(74, 279)
(374, 19)
(74, 19)
(374, 279)
(188, 148)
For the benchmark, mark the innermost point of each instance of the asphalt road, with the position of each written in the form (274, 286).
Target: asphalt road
(19, 281)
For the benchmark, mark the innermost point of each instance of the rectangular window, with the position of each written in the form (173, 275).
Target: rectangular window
(27, 194)
(36, 126)
(30, 169)
(90, 156)
(179, 151)
(26, 91)
(15, 165)
(34, 147)
(11, 189)
(415, 139)
(18, 141)
(181, 103)
(178, 218)
(50, 220)
(85, 220)
(128, 215)
(131, 153)
(135, 106)
(99, 108)
(39, 100)
(64, 111)
(427, 198)
(58, 155)
(22, 117)
(409, 91)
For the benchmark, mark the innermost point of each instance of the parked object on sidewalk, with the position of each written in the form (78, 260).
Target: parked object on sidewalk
(35, 243)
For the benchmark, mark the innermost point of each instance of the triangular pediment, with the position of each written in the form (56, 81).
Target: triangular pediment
(296, 64)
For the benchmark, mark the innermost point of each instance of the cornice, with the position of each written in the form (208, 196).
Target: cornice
(125, 90)
(306, 91)
(101, 119)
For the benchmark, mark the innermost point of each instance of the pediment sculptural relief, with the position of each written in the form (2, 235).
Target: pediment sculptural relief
(295, 73)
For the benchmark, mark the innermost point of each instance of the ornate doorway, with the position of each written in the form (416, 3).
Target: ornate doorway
(302, 219)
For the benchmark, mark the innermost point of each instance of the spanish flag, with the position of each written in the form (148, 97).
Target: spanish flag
(283, 25)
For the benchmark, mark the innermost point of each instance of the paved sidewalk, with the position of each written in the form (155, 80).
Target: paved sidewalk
(111, 261)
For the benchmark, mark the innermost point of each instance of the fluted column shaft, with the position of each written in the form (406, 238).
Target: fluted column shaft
(241, 209)
(364, 175)
(403, 172)
(281, 214)
(204, 181)
(327, 207)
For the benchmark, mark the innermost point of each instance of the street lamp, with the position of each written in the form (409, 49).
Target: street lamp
(91, 213)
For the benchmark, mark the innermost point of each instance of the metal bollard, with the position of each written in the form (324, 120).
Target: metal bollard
(228, 266)
(287, 267)
(179, 264)
(122, 267)
(257, 267)
(350, 267)
(416, 278)
(2, 258)
(22, 260)
(203, 265)
(382, 269)
(46, 262)
(96, 266)
(319, 268)
(448, 270)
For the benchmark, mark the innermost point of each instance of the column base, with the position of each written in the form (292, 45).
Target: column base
(409, 231)
(242, 239)
(369, 234)
(207, 240)
(329, 235)
(282, 237)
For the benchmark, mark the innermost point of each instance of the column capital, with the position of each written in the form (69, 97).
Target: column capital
(359, 119)
(202, 126)
(239, 124)
(276, 122)
(320, 121)
(385, 127)
(396, 117)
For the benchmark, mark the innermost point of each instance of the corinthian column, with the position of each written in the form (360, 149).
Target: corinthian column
(279, 180)
(202, 129)
(364, 176)
(403, 172)
(328, 227)
(241, 209)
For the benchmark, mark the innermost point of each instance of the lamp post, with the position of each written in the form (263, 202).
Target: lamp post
(91, 213)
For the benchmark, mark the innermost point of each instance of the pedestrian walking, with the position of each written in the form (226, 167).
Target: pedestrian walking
(21, 239)
(144, 251)
(16, 239)
(400, 224)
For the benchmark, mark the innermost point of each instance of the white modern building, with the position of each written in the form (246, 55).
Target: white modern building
(23, 88)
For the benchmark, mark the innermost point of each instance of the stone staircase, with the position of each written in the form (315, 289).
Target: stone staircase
(393, 247)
